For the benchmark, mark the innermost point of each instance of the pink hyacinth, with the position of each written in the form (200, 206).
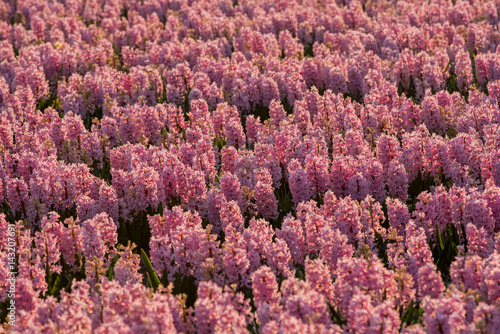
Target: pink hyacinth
(444, 314)
(490, 276)
(98, 236)
(285, 166)
(429, 282)
(364, 317)
(292, 232)
(467, 270)
(265, 287)
(299, 182)
(218, 310)
(264, 196)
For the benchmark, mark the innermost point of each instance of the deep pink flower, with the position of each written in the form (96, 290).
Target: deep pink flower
(267, 203)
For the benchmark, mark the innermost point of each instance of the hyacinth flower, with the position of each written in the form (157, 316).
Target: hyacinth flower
(250, 166)
(98, 238)
(265, 199)
(231, 309)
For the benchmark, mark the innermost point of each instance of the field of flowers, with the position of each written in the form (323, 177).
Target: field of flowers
(249, 166)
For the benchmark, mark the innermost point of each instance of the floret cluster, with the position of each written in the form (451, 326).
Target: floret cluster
(250, 166)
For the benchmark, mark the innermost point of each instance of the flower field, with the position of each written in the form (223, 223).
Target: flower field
(249, 166)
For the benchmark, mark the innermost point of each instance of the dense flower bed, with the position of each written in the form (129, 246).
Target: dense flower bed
(250, 166)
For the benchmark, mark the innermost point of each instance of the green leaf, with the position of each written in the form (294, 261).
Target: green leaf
(56, 286)
(150, 281)
(407, 313)
(440, 240)
(336, 317)
(152, 277)
(112, 267)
